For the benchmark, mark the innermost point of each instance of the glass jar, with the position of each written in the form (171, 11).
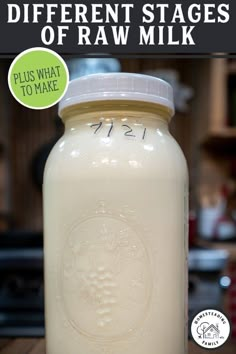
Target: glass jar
(115, 212)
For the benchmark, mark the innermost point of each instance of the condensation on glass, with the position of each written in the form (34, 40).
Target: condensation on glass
(115, 212)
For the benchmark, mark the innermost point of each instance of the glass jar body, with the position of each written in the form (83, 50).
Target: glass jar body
(115, 216)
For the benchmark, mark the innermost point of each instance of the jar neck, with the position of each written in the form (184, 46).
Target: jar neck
(154, 115)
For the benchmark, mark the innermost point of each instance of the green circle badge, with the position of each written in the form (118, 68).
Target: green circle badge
(38, 78)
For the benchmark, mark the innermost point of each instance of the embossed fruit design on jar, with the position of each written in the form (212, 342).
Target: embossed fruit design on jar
(115, 216)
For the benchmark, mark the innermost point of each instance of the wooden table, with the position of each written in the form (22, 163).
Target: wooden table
(37, 346)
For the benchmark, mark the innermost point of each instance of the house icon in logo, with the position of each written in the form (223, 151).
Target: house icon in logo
(208, 330)
(211, 332)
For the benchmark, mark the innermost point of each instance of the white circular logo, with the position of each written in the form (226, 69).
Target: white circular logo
(210, 329)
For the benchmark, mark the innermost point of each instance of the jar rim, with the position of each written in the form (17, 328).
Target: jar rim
(102, 108)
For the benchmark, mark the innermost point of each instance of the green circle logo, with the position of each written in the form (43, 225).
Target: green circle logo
(38, 78)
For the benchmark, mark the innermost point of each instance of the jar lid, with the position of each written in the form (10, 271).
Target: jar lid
(118, 86)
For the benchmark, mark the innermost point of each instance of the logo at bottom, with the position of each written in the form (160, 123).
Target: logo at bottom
(210, 329)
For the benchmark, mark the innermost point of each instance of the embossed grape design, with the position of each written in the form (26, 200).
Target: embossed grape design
(105, 278)
(101, 288)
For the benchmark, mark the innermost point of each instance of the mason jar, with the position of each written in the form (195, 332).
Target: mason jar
(115, 221)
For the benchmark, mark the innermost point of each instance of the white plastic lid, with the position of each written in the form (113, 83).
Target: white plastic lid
(118, 86)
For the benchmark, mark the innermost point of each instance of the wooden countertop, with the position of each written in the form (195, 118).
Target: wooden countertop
(37, 346)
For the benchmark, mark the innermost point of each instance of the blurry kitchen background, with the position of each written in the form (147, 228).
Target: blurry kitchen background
(204, 126)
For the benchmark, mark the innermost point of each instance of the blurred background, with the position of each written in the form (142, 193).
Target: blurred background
(205, 128)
